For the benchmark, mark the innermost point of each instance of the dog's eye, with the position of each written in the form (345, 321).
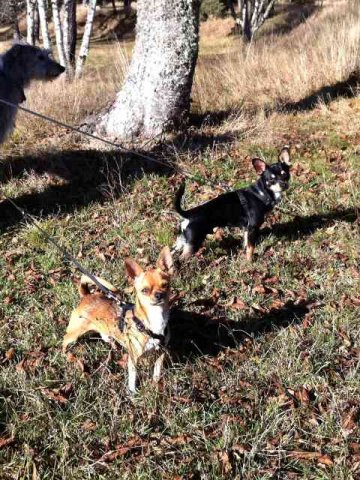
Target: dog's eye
(273, 176)
(146, 291)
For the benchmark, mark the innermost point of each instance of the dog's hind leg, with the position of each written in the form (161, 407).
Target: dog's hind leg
(77, 327)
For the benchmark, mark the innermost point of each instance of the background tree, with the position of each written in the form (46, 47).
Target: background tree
(70, 32)
(58, 31)
(156, 92)
(43, 14)
(30, 21)
(9, 11)
(85, 43)
(251, 15)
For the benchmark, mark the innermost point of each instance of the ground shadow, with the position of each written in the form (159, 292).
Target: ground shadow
(298, 227)
(209, 118)
(76, 179)
(196, 335)
(293, 15)
(348, 88)
(110, 25)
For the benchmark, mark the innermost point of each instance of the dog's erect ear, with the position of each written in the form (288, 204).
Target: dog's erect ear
(284, 156)
(132, 268)
(165, 261)
(259, 165)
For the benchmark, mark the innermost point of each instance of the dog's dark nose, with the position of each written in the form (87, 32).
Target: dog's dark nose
(159, 296)
(62, 69)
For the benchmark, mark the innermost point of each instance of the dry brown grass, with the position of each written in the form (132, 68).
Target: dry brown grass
(278, 69)
(259, 77)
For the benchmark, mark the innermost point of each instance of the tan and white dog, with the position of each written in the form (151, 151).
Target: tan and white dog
(141, 329)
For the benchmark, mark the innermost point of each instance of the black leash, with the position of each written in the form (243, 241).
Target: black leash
(66, 254)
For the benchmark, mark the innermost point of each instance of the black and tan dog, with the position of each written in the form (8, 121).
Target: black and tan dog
(244, 208)
(140, 329)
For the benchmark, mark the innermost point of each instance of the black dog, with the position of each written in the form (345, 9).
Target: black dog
(244, 208)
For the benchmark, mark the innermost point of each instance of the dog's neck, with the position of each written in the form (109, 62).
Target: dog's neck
(14, 72)
(154, 317)
(263, 193)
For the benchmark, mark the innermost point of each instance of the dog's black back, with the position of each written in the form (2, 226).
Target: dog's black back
(244, 208)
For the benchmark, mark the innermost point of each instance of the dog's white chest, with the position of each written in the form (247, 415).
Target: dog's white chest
(158, 321)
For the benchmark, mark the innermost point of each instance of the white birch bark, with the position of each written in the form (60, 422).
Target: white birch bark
(58, 32)
(44, 24)
(70, 31)
(30, 21)
(84, 48)
(253, 14)
(156, 92)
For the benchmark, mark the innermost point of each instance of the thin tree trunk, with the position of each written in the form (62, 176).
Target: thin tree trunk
(17, 34)
(114, 6)
(36, 24)
(15, 21)
(245, 21)
(44, 24)
(58, 32)
(72, 33)
(30, 21)
(84, 48)
(156, 92)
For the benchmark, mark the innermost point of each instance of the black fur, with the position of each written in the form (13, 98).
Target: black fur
(245, 208)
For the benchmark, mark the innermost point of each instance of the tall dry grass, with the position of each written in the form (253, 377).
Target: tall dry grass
(246, 78)
(278, 69)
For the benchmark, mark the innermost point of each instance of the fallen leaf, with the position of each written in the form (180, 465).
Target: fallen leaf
(325, 460)
(259, 289)
(54, 395)
(88, 426)
(237, 304)
(302, 455)
(10, 354)
(6, 441)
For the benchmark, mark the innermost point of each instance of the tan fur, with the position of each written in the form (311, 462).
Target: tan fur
(97, 313)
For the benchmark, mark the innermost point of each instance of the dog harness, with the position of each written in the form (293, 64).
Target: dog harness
(123, 309)
(263, 196)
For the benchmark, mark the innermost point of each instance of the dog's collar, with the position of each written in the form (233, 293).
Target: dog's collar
(124, 308)
(263, 195)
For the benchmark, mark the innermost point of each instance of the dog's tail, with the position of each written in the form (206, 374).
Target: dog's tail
(85, 282)
(177, 202)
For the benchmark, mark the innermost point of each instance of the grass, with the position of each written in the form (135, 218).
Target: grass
(257, 386)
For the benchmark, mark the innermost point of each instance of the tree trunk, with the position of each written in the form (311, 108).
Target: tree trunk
(42, 6)
(70, 32)
(114, 6)
(30, 21)
(58, 32)
(156, 93)
(84, 49)
(36, 24)
(17, 33)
